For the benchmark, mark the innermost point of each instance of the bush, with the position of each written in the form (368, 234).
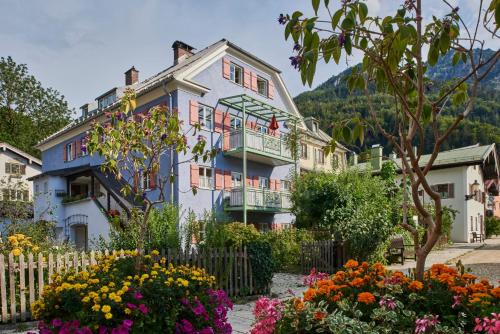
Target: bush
(114, 298)
(355, 207)
(262, 262)
(492, 226)
(229, 235)
(365, 298)
(286, 247)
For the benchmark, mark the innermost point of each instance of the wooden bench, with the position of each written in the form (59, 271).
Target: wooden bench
(477, 237)
(396, 249)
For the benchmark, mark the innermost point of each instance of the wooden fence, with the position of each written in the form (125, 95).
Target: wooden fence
(22, 278)
(326, 256)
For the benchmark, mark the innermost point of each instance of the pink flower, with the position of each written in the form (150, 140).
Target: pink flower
(128, 323)
(143, 309)
(427, 322)
(267, 312)
(456, 301)
(138, 295)
(57, 322)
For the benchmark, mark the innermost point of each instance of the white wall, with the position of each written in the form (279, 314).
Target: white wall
(461, 177)
(46, 204)
(98, 224)
(32, 169)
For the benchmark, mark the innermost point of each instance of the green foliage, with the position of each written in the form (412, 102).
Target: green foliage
(354, 207)
(492, 226)
(229, 235)
(29, 112)
(262, 261)
(286, 246)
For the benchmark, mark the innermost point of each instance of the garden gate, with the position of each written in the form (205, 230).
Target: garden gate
(326, 256)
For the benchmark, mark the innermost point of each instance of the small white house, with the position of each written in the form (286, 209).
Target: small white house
(459, 175)
(16, 167)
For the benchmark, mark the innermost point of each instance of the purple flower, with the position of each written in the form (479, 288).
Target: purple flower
(341, 39)
(143, 309)
(389, 303)
(57, 322)
(128, 323)
(137, 295)
(427, 322)
(207, 330)
(295, 61)
(282, 19)
(296, 47)
(131, 306)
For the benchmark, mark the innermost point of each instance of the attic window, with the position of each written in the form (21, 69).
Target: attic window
(236, 74)
(107, 100)
(315, 127)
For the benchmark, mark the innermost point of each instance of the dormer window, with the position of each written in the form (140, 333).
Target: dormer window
(315, 127)
(85, 110)
(106, 100)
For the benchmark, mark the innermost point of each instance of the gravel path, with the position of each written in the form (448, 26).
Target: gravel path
(485, 262)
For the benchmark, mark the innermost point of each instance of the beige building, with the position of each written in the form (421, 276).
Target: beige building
(16, 167)
(312, 154)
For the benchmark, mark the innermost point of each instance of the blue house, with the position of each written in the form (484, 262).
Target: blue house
(235, 95)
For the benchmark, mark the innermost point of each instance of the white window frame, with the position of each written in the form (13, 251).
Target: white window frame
(266, 86)
(145, 181)
(263, 182)
(303, 151)
(234, 76)
(236, 122)
(206, 181)
(315, 127)
(319, 156)
(262, 129)
(286, 185)
(444, 195)
(235, 183)
(69, 151)
(206, 117)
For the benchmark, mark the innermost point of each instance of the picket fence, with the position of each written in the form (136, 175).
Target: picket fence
(325, 256)
(22, 278)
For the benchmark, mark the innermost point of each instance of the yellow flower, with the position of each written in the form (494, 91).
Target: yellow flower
(128, 311)
(104, 289)
(155, 252)
(106, 309)
(86, 299)
(17, 251)
(108, 316)
(96, 307)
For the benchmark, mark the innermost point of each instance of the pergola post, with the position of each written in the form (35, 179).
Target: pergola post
(244, 133)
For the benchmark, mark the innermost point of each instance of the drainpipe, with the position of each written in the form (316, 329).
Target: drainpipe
(244, 166)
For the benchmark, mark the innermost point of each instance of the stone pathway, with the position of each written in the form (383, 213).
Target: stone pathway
(485, 261)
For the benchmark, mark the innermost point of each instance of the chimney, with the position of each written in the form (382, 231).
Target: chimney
(181, 51)
(131, 76)
(376, 157)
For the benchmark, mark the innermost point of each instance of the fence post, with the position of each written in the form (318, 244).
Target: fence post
(3, 288)
(12, 288)
(31, 279)
(22, 287)
(40, 275)
(51, 267)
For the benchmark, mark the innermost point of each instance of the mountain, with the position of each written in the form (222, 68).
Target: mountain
(331, 102)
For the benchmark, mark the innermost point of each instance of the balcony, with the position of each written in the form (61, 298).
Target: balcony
(260, 147)
(259, 199)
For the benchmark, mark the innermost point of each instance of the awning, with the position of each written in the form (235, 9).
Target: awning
(257, 108)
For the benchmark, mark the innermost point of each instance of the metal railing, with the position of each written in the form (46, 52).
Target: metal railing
(260, 198)
(259, 142)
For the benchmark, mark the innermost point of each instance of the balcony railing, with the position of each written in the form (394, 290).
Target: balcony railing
(258, 142)
(260, 199)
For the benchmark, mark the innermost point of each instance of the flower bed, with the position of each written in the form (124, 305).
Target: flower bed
(365, 298)
(113, 298)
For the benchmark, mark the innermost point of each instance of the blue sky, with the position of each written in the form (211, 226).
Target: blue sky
(82, 48)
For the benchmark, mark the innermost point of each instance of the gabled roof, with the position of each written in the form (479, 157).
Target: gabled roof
(29, 157)
(171, 73)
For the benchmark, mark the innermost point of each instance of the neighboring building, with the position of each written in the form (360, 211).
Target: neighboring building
(459, 175)
(493, 200)
(235, 95)
(312, 154)
(16, 167)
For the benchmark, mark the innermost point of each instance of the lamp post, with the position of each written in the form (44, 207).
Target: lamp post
(474, 190)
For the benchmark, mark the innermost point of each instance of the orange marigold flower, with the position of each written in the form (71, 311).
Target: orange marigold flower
(468, 277)
(319, 315)
(446, 278)
(478, 287)
(351, 264)
(416, 286)
(298, 304)
(339, 276)
(337, 297)
(496, 292)
(366, 297)
(459, 290)
(309, 294)
(357, 282)
(365, 265)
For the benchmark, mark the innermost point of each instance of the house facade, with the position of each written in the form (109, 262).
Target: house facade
(235, 96)
(312, 154)
(459, 176)
(16, 167)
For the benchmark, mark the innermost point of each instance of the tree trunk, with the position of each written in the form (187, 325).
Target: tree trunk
(142, 236)
(420, 267)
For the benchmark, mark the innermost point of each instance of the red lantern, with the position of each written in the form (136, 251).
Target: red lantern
(273, 126)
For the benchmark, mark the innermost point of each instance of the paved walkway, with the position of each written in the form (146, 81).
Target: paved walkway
(485, 261)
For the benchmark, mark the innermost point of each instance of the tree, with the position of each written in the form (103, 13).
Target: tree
(133, 144)
(394, 63)
(29, 112)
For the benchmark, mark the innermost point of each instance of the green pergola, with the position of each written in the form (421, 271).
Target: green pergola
(247, 105)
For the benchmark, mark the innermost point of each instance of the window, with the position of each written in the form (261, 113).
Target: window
(69, 151)
(286, 185)
(83, 146)
(37, 189)
(445, 190)
(236, 74)
(236, 179)
(146, 181)
(235, 122)
(262, 86)
(319, 156)
(303, 151)
(262, 129)
(14, 168)
(106, 101)
(15, 195)
(45, 187)
(205, 117)
(315, 127)
(206, 178)
(263, 182)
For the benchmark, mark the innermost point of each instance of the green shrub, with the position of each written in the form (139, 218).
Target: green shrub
(262, 262)
(229, 235)
(492, 226)
(286, 246)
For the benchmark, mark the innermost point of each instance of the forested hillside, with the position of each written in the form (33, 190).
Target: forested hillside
(331, 101)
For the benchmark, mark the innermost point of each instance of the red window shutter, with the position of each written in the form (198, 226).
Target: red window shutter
(256, 181)
(227, 180)
(225, 68)
(195, 175)
(249, 181)
(219, 179)
(278, 185)
(218, 121)
(248, 124)
(79, 148)
(65, 157)
(254, 81)
(152, 181)
(73, 150)
(227, 121)
(272, 184)
(270, 90)
(247, 78)
(193, 112)
(136, 182)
